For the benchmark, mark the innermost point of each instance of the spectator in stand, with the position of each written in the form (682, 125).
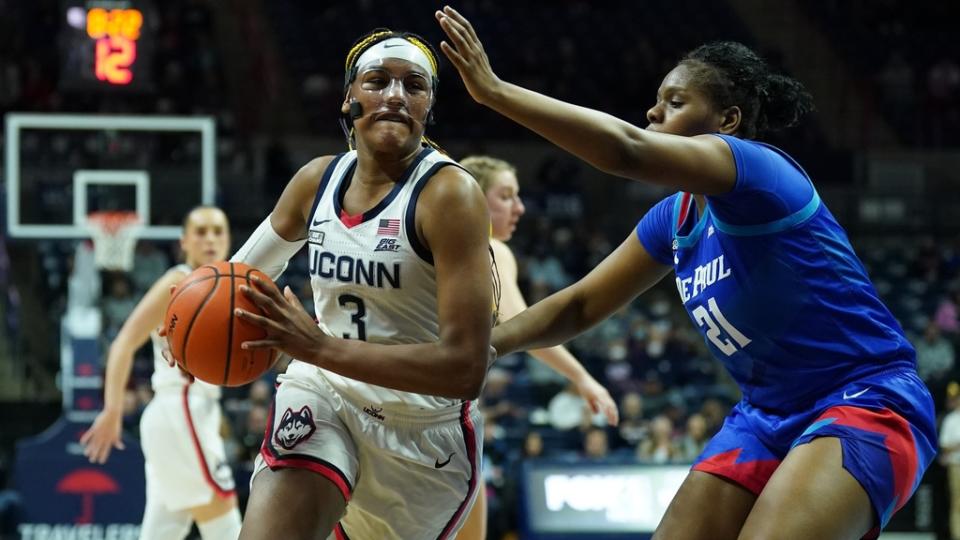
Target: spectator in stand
(695, 438)
(533, 445)
(935, 355)
(946, 316)
(633, 427)
(118, 305)
(943, 89)
(713, 411)
(596, 446)
(950, 455)
(659, 447)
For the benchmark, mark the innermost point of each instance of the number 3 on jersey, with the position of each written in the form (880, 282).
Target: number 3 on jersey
(359, 312)
(715, 321)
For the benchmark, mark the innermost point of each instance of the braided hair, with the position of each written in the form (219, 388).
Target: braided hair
(732, 74)
(369, 40)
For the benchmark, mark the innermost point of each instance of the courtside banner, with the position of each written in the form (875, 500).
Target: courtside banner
(594, 500)
(65, 496)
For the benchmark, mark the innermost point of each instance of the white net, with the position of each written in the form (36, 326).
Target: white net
(114, 239)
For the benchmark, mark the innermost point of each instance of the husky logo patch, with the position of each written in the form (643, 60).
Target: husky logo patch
(295, 427)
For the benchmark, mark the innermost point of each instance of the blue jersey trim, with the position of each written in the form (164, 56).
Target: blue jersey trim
(690, 239)
(779, 225)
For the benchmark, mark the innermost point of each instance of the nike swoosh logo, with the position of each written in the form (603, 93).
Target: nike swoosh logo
(392, 46)
(438, 465)
(321, 222)
(856, 394)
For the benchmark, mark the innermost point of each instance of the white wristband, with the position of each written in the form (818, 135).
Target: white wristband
(267, 251)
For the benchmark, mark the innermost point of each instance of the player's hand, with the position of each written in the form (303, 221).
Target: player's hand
(467, 55)
(102, 437)
(165, 350)
(290, 329)
(598, 399)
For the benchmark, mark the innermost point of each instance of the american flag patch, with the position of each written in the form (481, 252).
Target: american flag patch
(389, 227)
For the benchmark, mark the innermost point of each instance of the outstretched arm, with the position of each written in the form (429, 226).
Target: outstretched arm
(620, 278)
(702, 164)
(557, 357)
(104, 434)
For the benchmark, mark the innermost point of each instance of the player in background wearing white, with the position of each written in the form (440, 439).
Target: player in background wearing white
(377, 409)
(950, 455)
(183, 485)
(498, 180)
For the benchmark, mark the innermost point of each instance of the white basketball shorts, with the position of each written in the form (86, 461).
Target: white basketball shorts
(404, 475)
(184, 456)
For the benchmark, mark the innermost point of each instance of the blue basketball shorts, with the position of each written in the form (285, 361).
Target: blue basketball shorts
(886, 427)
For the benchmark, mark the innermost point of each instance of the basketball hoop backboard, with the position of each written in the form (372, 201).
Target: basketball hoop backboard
(61, 167)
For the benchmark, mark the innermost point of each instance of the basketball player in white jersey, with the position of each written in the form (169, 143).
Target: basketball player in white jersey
(187, 476)
(498, 180)
(374, 434)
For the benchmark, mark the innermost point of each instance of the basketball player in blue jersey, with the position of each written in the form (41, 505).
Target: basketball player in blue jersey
(374, 433)
(835, 428)
(187, 477)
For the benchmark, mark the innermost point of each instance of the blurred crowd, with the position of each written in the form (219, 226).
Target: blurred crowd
(906, 58)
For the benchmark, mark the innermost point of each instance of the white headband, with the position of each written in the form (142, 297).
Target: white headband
(396, 48)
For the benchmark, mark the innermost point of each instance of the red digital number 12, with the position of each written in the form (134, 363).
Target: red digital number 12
(115, 55)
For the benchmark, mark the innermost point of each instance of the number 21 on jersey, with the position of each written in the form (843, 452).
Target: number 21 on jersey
(717, 325)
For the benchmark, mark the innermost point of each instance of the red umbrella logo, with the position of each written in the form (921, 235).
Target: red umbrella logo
(87, 483)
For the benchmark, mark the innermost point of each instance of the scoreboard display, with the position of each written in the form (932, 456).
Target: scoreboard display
(107, 44)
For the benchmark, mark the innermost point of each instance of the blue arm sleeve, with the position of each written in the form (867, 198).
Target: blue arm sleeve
(770, 185)
(655, 230)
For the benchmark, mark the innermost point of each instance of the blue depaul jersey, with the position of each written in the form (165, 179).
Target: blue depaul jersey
(770, 279)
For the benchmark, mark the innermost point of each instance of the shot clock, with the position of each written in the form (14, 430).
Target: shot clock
(107, 44)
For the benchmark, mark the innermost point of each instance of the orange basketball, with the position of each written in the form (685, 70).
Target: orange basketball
(205, 335)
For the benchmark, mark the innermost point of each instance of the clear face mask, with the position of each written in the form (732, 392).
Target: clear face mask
(387, 85)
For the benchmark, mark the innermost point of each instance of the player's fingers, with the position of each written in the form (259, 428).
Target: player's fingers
(85, 438)
(168, 356)
(457, 16)
(269, 305)
(260, 344)
(292, 298)
(457, 34)
(453, 55)
(92, 452)
(270, 290)
(613, 416)
(267, 324)
(255, 294)
(118, 444)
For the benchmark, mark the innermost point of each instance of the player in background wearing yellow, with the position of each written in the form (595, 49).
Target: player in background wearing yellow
(498, 180)
(187, 477)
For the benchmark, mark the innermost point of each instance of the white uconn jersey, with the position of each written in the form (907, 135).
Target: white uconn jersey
(374, 281)
(166, 377)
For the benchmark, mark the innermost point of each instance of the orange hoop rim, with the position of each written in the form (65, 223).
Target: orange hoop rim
(113, 221)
